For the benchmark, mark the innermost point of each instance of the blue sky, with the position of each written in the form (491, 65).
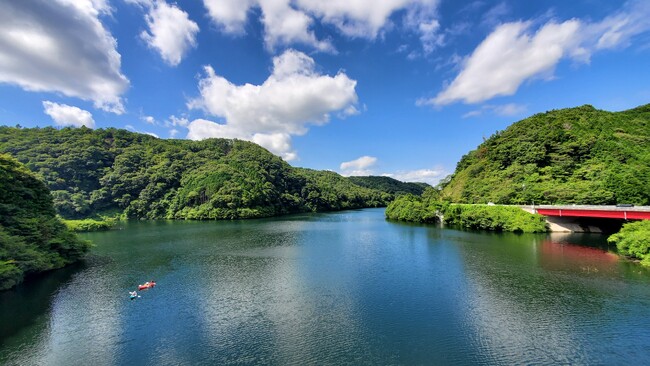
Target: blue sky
(395, 87)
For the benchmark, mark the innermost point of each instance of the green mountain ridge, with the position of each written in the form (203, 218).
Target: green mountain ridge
(570, 156)
(111, 171)
(389, 185)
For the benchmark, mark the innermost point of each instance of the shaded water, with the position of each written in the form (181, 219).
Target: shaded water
(340, 288)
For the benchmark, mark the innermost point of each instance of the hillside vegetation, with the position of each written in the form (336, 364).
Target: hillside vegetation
(578, 155)
(112, 171)
(32, 238)
(428, 208)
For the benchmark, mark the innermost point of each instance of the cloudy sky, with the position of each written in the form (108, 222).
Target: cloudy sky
(393, 87)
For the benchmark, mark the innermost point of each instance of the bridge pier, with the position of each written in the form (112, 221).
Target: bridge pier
(575, 225)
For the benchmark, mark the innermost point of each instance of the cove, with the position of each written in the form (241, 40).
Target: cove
(337, 288)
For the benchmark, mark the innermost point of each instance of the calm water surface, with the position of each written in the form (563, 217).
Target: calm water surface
(340, 288)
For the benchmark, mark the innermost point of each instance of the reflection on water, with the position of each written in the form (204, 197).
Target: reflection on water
(341, 288)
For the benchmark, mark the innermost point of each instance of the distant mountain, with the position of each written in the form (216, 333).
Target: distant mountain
(390, 185)
(114, 171)
(578, 155)
(32, 238)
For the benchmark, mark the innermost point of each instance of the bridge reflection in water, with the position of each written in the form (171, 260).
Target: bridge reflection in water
(558, 255)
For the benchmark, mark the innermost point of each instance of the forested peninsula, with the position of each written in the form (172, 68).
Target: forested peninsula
(115, 172)
(570, 156)
(32, 238)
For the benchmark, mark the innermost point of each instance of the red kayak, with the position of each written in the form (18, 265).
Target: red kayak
(146, 285)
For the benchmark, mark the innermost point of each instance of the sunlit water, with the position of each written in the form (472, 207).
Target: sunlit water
(340, 288)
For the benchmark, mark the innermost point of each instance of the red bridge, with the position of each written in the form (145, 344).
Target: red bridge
(604, 212)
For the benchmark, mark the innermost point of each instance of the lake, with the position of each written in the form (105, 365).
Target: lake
(336, 288)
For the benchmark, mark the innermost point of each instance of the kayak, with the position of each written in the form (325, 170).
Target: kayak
(146, 285)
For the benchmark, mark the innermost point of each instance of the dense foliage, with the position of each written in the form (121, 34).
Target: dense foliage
(32, 238)
(634, 241)
(390, 185)
(495, 218)
(108, 171)
(423, 209)
(428, 208)
(86, 225)
(578, 155)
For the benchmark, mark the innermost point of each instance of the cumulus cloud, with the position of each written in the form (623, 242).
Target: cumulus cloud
(288, 22)
(61, 46)
(67, 115)
(293, 97)
(430, 176)
(360, 166)
(514, 53)
(171, 32)
(230, 15)
(284, 25)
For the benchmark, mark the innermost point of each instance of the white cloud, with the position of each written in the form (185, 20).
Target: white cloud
(360, 166)
(229, 14)
(293, 97)
(618, 29)
(285, 25)
(288, 22)
(492, 17)
(508, 57)
(279, 143)
(513, 53)
(177, 121)
(140, 3)
(66, 115)
(504, 110)
(148, 119)
(171, 32)
(430, 176)
(421, 18)
(61, 46)
(364, 166)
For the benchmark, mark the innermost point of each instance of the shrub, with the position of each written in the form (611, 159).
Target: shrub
(633, 241)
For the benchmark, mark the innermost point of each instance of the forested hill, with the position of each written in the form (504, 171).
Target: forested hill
(116, 171)
(390, 185)
(32, 239)
(578, 155)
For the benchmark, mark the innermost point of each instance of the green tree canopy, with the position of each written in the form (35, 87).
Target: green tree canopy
(32, 238)
(577, 155)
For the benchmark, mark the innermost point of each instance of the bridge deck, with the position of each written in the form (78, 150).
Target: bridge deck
(607, 212)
